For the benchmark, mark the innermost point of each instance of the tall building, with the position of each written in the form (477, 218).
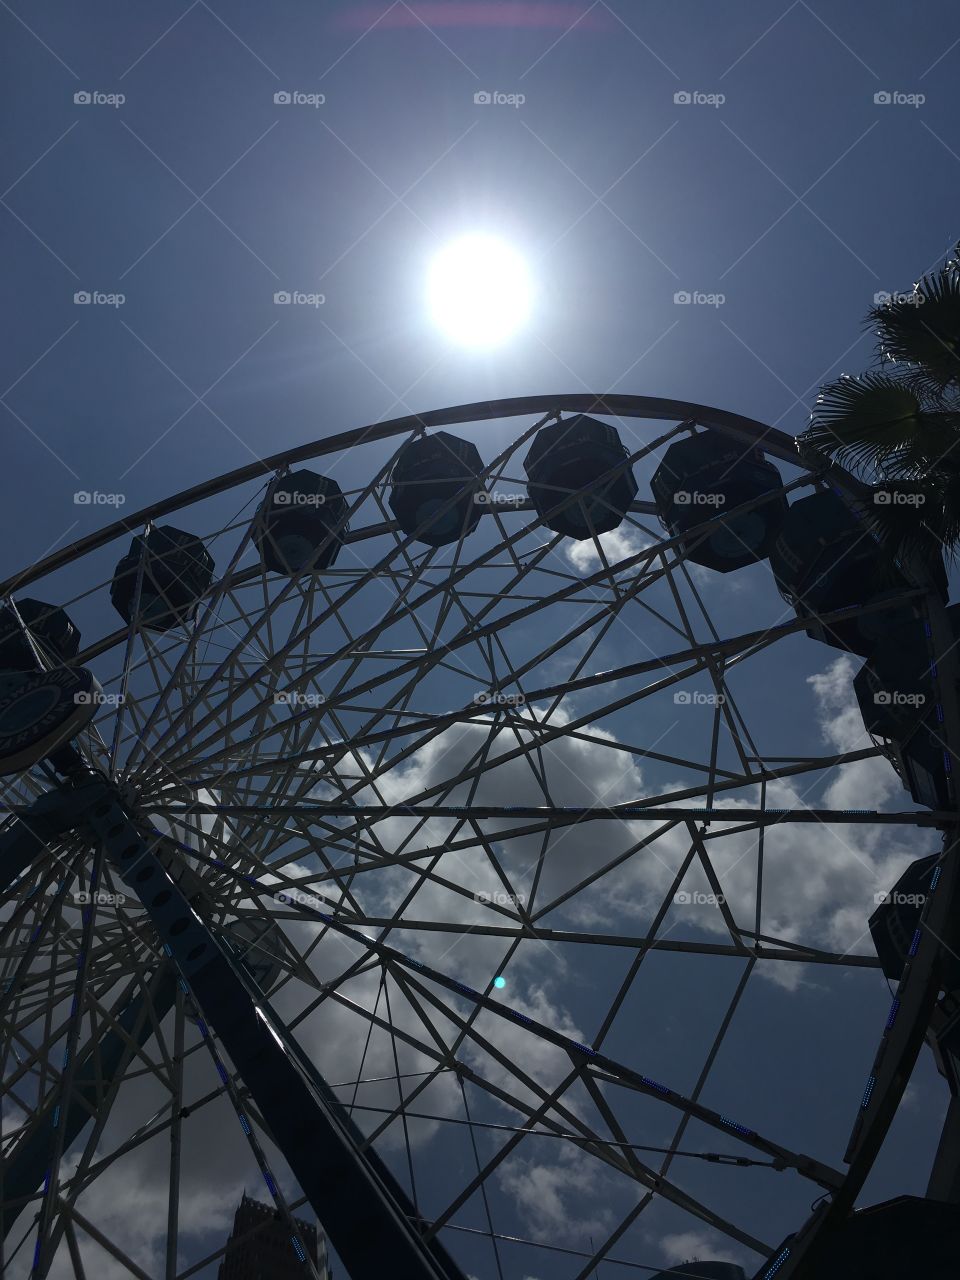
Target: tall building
(260, 1246)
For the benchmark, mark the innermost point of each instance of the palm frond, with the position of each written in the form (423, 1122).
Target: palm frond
(922, 327)
(935, 397)
(899, 424)
(909, 519)
(868, 422)
(945, 522)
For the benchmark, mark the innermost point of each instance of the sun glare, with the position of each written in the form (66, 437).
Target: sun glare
(479, 291)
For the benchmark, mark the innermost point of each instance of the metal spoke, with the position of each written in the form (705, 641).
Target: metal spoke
(382, 772)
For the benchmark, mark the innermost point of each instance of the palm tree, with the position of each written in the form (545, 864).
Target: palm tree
(898, 425)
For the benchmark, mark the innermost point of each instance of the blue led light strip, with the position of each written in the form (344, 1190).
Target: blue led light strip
(867, 1093)
(739, 1128)
(777, 1263)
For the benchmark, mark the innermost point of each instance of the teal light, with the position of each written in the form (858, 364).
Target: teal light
(499, 982)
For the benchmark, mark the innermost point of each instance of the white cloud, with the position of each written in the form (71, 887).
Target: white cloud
(684, 1246)
(618, 544)
(705, 578)
(818, 889)
(558, 1201)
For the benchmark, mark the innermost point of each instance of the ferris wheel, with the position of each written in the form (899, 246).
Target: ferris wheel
(405, 823)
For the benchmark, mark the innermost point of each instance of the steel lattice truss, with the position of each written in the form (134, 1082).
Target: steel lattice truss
(387, 761)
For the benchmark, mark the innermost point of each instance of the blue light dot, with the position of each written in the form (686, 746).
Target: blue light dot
(499, 982)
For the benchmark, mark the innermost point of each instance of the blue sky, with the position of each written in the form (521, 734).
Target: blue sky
(798, 198)
(784, 191)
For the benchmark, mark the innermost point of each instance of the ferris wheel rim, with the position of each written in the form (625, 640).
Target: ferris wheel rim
(775, 442)
(654, 408)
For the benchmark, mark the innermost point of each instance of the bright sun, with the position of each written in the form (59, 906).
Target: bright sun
(479, 291)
